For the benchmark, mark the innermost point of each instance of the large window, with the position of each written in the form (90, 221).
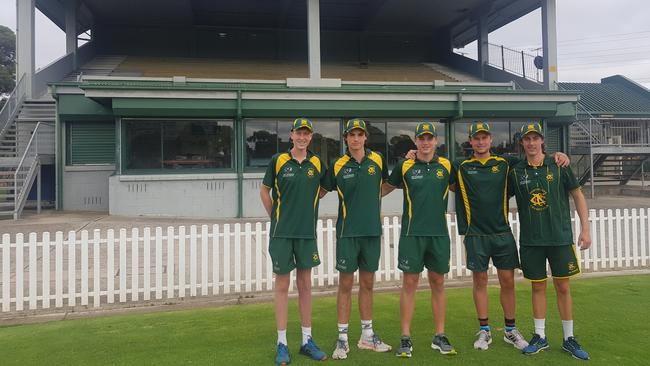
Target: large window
(177, 145)
(504, 137)
(264, 138)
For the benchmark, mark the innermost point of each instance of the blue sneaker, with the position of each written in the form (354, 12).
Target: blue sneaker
(535, 345)
(282, 358)
(311, 350)
(572, 346)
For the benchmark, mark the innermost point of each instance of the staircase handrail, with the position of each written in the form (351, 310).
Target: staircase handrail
(30, 150)
(12, 105)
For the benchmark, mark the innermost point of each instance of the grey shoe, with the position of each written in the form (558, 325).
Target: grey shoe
(515, 338)
(441, 343)
(405, 347)
(484, 340)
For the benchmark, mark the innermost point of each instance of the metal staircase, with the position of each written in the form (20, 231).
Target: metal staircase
(22, 124)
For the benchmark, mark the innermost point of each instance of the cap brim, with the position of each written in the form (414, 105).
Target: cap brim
(306, 127)
(426, 133)
(528, 132)
(356, 128)
(481, 130)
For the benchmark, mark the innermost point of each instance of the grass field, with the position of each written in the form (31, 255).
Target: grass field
(611, 317)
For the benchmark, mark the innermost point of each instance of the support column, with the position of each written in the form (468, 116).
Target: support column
(549, 40)
(314, 80)
(313, 30)
(25, 60)
(71, 29)
(483, 44)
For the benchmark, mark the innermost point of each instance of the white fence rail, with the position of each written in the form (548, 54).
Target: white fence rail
(91, 269)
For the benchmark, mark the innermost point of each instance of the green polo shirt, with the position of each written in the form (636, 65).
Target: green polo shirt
(359, 189)
(426, 187)
(295, 194)
(482, 194)
(542, 195)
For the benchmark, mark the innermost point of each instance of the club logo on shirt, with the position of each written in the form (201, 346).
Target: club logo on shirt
(310, 172)
(495, 169)
(314, 257)
(549, 177)
(372, 170)
(440, 174)
(524, 180)
(538, 199)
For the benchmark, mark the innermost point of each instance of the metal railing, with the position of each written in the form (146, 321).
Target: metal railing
(24, 173)
(516, 62)
(622, 131)
(12, 106)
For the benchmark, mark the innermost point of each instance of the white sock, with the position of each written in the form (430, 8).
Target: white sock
(343, 331)
(540, 325)
(366, 329)
(567, 326)
(306, 334)
(282, 336)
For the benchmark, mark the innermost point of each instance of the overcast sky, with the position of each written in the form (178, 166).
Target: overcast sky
(596, 38)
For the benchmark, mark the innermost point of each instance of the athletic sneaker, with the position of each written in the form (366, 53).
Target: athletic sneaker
(515, 338)
(441, 343)
(375, 344)
(311, 350)
(484, 340)
(405, 347)
(282, 358)
(341, 350)
(535, 345)
(572, 346)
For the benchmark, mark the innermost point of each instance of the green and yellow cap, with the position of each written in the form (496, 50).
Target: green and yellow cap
(477, 127)
(531, 127)
(302, 123)
(424, 128)
(355, 123)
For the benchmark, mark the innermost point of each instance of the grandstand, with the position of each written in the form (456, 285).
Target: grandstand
(174, 108)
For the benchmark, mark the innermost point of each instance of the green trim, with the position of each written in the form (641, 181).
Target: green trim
(78, 107)
(149, 107)
(345, 88)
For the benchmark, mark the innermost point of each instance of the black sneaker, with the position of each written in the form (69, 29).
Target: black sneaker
(441, 343)
(405, 347)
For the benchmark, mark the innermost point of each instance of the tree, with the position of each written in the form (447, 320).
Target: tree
(7, 60)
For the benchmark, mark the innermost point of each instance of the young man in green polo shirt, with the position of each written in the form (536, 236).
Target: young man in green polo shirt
(424, 239)
(294, 177)
(542, 190)
(357, 177)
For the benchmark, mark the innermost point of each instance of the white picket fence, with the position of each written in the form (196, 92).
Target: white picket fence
(142, 265)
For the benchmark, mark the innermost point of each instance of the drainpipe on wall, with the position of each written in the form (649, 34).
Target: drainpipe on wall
(239, 146)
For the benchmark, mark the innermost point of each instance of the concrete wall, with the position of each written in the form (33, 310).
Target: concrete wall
(186, 195)
(85, 188)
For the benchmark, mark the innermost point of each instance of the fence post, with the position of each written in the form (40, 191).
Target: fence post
(503, 59)
(523, 65)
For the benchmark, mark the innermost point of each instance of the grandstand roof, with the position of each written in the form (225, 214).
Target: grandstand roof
(458, 17)
(613, 95)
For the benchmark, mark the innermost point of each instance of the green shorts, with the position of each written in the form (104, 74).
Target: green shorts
(502, 248)
(358, 253)
(416, 252)
(562, 260)
(289, 253)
